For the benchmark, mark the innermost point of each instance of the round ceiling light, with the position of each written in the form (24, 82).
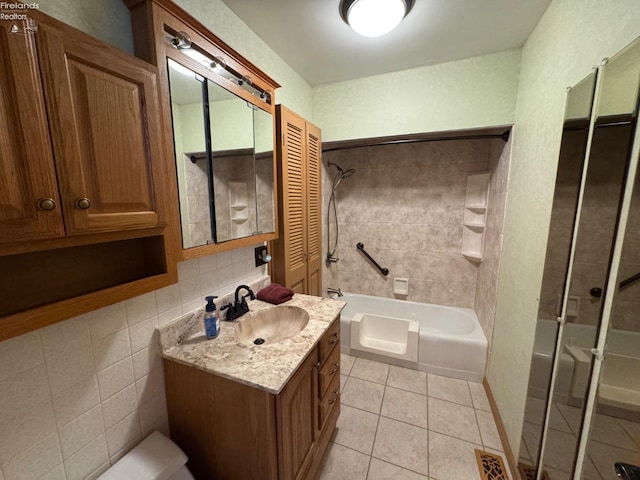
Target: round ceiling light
(374, 18)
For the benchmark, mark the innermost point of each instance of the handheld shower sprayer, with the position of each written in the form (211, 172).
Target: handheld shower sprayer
(341, 175)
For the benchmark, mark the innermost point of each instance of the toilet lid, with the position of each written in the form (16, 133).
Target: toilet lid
(182, 474)
(155, 458)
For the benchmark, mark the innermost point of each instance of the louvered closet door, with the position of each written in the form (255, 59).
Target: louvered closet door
(292, 178)
(314, 210)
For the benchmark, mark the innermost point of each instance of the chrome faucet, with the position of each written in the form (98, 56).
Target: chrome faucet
(239, 306)
(334, 291)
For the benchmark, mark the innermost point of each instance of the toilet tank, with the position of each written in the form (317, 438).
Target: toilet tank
(155, 458)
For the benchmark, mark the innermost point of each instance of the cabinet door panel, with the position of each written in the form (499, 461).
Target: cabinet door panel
(105, 131)
(27, 172)
(297, 420)
(314, 210)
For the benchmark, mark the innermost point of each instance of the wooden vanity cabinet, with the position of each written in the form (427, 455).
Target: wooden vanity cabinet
(230, 430)
(297, 252)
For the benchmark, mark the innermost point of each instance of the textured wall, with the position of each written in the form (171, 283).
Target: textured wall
(107, 20)
(476, 92)
(488, 271)
(214, 14)
(405, 202)
(77, 395)
(572, 36)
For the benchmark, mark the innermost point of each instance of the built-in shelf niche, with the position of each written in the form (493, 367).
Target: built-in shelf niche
(239, 209)
(475, 216)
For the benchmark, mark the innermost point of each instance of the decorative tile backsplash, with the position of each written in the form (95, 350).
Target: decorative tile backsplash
(79, 394)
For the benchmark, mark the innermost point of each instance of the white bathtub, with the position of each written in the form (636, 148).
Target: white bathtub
(451, 341)
(619, 385)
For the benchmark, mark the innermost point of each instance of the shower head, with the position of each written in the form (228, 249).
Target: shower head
(342, 173)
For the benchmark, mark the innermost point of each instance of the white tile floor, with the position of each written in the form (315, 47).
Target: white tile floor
(401, 424)
(612, 440)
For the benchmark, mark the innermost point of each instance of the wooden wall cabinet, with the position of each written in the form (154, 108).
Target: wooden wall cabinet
(216, 420)
(297, 253)
(89, 169)
(82, 214)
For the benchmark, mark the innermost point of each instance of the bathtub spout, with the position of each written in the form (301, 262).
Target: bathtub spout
(334, 291)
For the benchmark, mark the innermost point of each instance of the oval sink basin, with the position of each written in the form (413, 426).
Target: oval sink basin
(271, 325)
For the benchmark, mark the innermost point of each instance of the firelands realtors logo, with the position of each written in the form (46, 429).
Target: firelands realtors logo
(17, 14)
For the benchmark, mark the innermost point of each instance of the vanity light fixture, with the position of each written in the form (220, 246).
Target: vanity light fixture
(374, 18)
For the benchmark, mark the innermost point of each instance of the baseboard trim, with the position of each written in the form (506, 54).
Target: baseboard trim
(508, 452)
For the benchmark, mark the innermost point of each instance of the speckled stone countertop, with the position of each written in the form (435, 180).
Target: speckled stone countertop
(268, 366)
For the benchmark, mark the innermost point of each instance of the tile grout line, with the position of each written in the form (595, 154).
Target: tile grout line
(55, 417)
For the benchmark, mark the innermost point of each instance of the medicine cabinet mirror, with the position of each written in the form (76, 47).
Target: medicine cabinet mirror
(224, 160)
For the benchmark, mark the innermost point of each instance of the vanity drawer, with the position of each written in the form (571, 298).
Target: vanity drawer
(330, 400)
(330, 339)
(329, 370)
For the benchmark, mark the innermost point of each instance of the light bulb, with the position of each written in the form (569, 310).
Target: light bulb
(374, 18)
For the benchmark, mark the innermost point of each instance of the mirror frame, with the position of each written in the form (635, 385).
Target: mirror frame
(151, 19)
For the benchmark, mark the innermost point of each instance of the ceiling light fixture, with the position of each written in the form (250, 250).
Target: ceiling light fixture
(374, 18)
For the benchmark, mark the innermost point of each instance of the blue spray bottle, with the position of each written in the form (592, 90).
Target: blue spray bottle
(211, 318)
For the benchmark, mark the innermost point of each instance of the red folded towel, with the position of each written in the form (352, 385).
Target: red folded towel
(275, 294)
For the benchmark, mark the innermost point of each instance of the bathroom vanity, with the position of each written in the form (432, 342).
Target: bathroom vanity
(249, 411)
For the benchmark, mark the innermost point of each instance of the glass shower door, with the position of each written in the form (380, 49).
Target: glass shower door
(613, 424)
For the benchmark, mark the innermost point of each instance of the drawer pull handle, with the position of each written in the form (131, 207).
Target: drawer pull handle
(46, 204)
(83, 203)
(335, 339)
(333, 372)
(335, 397)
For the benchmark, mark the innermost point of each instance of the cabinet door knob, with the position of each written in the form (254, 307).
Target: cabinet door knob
(83, 203)
(334, 398)
(46, 204)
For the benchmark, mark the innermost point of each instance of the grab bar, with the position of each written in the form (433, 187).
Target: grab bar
(383, 271)
(596, 292)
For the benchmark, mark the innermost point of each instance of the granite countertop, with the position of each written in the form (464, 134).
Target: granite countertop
(267, 366)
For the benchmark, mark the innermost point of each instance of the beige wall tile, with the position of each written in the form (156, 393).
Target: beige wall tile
(22, 392)
(152, 411)
(123, 434)
(20, 433)
(119, 406)
(112, 349)
(38, 459)
(141, 308)
(76, 400)
(57, 473)
(115, 378)
(142, 334)
(145, 361)
(87, 460)
(19, 354)
(167, 298)
(64, 337)
(107, 321)
(67, 370)
(81, 431)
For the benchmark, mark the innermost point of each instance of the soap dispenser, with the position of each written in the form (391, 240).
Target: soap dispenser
(211, 318)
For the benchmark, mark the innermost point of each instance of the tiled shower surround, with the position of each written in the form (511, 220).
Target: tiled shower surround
(77, 395)
(405, 203)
